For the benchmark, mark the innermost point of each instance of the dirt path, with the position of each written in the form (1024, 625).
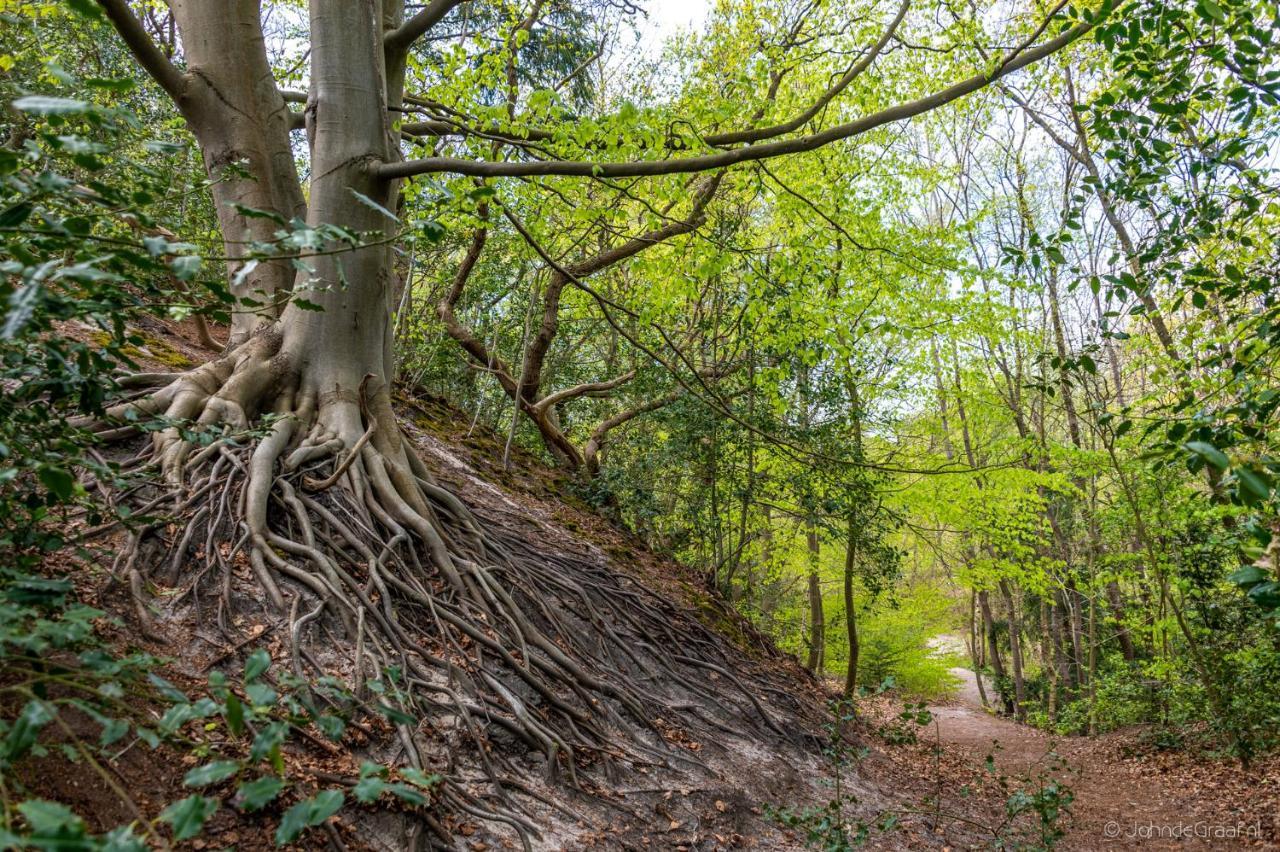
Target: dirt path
(1118, 803)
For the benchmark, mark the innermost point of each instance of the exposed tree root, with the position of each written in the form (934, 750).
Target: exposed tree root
(346, 530)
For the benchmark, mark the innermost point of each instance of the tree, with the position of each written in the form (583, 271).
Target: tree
(305, 384)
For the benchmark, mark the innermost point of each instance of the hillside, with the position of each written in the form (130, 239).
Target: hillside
(738, 729)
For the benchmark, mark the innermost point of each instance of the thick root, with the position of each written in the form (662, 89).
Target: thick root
(342, 525)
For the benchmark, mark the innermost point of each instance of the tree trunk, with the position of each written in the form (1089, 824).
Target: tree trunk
(238, 116)
(817, 620)
(1015, 652)
(850, 614)
(993, 646)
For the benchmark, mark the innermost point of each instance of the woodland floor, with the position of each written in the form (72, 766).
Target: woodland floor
(1127, 793)
(747, 767)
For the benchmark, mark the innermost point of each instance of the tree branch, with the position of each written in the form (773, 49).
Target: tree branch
(399, 40)
(757, 134)
(156, 64)
(1014, 61)
(585, 389)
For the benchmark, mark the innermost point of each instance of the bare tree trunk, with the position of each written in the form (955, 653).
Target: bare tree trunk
(976, 648)
(1015, 652)
(850, 614)
(240, 119)
(817, 619)
(993, 645)
(1046, 659)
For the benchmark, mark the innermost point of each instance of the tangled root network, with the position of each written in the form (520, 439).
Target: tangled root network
(348, 533)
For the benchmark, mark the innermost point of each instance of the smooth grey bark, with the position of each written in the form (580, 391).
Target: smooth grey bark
(241, 122)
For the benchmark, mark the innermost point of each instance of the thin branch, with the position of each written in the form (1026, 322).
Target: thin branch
(1014, 61)
(150, 57)
(584, 389)
(757, 134)
(399, 40)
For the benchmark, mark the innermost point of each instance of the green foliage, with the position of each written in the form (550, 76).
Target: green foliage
(74, 194)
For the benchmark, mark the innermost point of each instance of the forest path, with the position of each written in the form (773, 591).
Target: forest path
(1118, 803)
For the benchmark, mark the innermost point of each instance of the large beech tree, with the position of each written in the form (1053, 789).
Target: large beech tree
(366, 533)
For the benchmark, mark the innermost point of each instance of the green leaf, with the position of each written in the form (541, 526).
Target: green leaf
(26, 728)
(168, 690)
(1211, 454)
(43, 105)
(188, 816)
(112, 730)
(1213, 11)
(253, 795)
(1247, 575)
(15, 215)
(408, 794)
(331, 726)
(50, 819)
(369, 202)
(1254, 487)
(257, 664)
(1266, 595)
(260, 695)
(122, 839)
(396, 715)
(368, 790)
(57, 480)
(85, 8)
(420, 778)
(211, 773)
(268, 740)
(186, 267)
(308, 813)
(235, 715)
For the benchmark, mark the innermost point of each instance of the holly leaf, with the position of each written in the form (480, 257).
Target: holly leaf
(1211, 454)
(188, 816)
(308, 813)
(257, 664)
(254, 795)
(211, 773)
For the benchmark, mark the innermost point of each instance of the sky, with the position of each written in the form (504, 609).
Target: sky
(669, 16)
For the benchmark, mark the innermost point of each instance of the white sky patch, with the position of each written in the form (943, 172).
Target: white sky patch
(667, 18)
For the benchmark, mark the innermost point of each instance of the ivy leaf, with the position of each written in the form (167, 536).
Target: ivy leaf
(308, 813)
(188, 816)
(254, 795)
(211, 773)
